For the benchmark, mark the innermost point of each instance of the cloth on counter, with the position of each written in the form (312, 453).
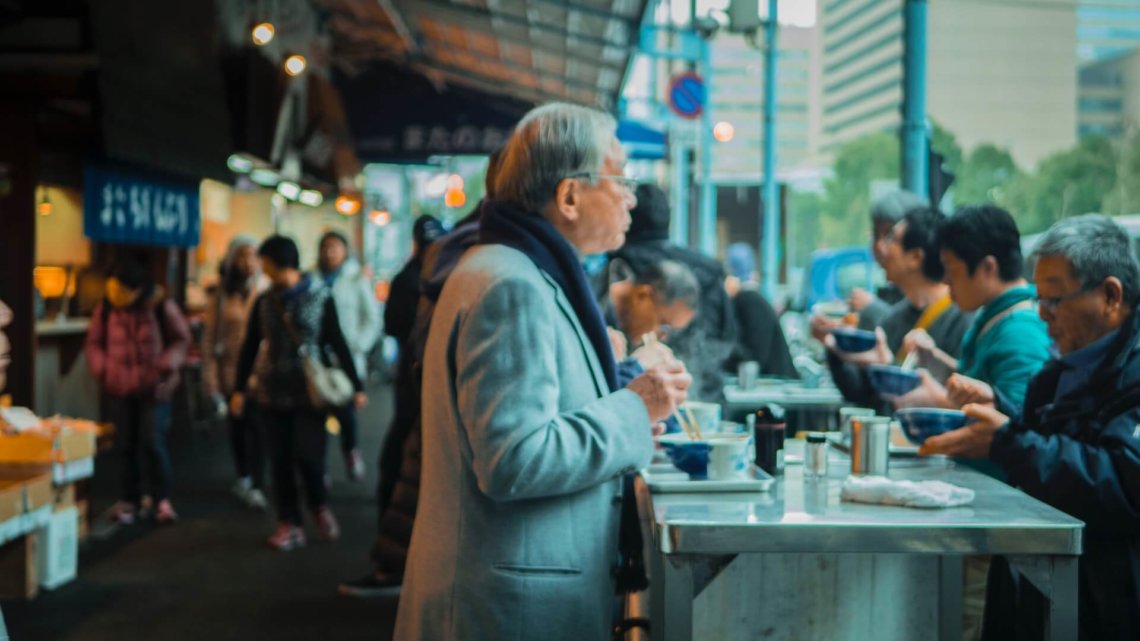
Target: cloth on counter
(925, 494)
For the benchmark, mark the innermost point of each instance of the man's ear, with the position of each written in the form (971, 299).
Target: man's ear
(991, 266)
(643, 291)
(1113, 291)
(566, 197)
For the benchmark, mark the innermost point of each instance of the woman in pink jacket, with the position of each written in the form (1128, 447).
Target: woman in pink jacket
(135, 348)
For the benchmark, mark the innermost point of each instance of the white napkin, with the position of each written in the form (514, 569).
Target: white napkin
(882, 490)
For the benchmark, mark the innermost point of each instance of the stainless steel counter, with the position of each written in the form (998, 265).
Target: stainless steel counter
(697, 538)
(790, 395)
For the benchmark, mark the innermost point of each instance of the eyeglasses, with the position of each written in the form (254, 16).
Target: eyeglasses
(1051, 303)
(625, 182)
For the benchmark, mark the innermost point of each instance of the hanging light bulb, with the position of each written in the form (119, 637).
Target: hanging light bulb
(295, 64)
(347, 205)
(44, 207)
(263, 33)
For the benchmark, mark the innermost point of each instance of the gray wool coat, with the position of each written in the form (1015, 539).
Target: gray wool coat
(523, 449)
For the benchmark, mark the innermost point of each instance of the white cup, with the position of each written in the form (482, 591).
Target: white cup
(707, 416)
(747, 375)
(728, 457)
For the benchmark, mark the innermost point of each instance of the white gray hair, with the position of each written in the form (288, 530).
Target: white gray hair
(552, 142)
(891, 207)
(1096, 248)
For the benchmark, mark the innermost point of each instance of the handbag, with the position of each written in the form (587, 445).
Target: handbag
(327, 385)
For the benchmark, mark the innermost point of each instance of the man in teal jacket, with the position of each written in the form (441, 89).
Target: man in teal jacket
(1007, 342)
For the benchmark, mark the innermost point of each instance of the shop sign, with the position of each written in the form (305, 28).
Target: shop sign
(123, 207)
(416, 140)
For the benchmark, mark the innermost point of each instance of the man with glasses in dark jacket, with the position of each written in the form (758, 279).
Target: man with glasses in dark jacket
(1076, 444)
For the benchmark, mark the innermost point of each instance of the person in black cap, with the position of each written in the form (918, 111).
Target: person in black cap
(708, 341)
(400, 312)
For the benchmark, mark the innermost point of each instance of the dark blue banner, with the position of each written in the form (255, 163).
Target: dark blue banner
(122, 207)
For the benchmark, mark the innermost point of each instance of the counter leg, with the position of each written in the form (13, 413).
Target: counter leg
(676, 585)
(657, 595)
(950, 598)
(1061, 620)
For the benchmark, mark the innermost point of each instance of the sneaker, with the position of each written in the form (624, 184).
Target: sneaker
(327, 527)
(123, 513)
(164, 513)
(287, 537)
(375, 584)
(256, 500)
(241, 487)
(354, 463)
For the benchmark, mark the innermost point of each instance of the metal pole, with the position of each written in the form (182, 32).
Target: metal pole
(679, 228)
(914, 152)
(708, 195)
(770, 236)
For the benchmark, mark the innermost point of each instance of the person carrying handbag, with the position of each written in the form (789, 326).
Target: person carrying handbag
(306, 370)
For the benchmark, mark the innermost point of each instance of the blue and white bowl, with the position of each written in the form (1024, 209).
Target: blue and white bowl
(892, 379)
(920, 423)
(851, 340)
(728, 453)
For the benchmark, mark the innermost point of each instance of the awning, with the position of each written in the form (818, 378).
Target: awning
(532, 50)
(641, 141)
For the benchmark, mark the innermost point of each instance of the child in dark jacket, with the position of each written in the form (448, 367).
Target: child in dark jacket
(135, 348)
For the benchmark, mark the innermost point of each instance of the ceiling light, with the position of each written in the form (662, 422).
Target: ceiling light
(295, 65)
(290, 190)
(263, 33)
(264, 177)
(311, 197)
(239, 164)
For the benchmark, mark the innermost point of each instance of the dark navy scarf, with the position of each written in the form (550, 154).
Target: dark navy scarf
(533, 235)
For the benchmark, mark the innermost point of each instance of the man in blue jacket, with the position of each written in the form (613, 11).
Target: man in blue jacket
(1076, 444)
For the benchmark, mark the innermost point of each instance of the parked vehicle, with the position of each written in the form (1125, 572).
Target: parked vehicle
(831, 274)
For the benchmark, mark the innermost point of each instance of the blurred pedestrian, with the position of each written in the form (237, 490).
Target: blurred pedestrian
(404, 295)
(295, 319)
(359, 314)
(226, 318)
(759, 335)
(706, 344)
(135, 349)
(397, 492)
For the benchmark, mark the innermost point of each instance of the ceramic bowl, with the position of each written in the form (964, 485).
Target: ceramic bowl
(892, 379)
(920, 423)
(719, 457)
(851, 340)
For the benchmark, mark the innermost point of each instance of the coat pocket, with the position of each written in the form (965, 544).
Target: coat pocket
(537, 570)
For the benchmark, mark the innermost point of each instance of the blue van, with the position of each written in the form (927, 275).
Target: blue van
(831, 274)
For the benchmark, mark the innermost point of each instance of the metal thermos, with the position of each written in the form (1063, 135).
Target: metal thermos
(870, 444)
(768, 436)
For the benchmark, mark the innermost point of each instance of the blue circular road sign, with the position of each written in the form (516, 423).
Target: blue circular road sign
(687, 95)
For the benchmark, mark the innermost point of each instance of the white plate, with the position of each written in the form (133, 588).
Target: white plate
(673, 481)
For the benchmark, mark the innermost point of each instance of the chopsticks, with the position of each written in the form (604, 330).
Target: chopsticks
(689, 424)
(909, 362)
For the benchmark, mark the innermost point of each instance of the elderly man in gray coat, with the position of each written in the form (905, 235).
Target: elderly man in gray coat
(526, 434)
